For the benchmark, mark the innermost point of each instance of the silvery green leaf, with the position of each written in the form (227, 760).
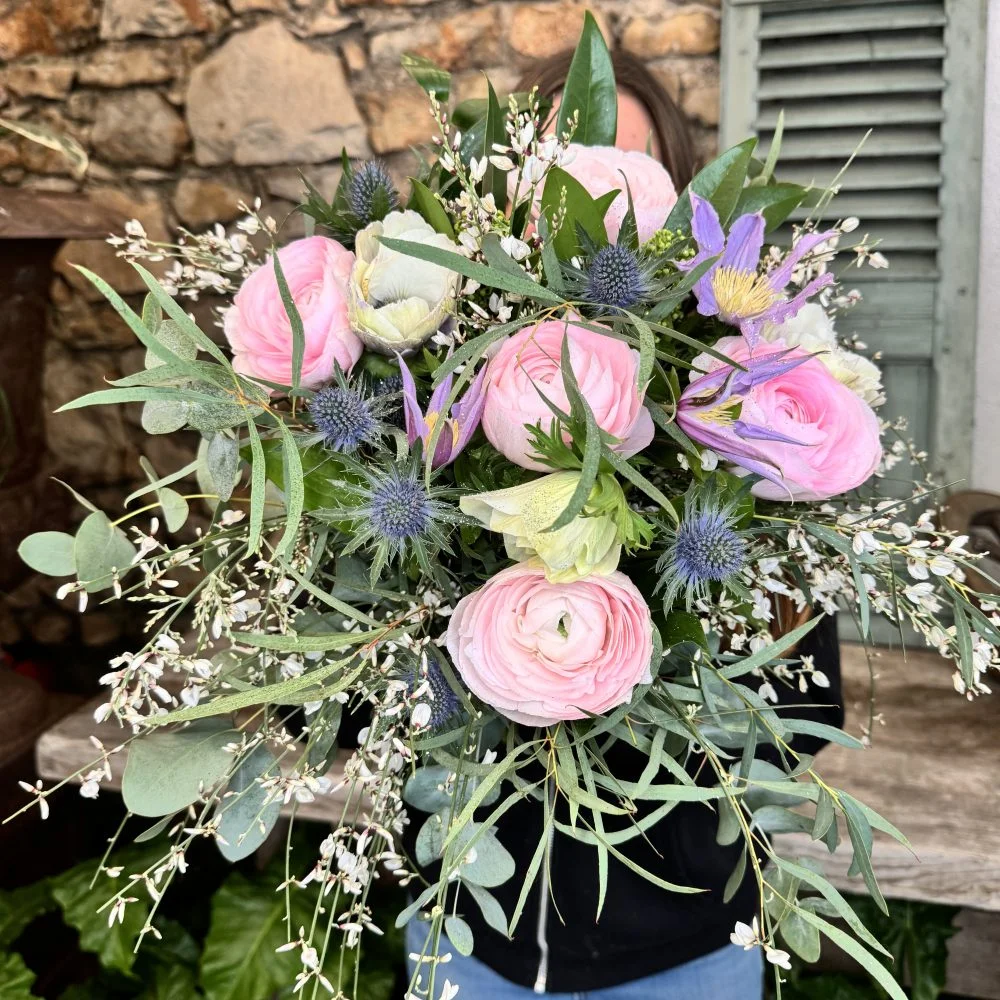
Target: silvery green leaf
(98, 549)
(49, 552)
(800, 936)
(164, 416)
(424, 790)
(247, 812)
(430, 838)
(491, 910)
(489, 863)
(167, 771)
(459, 934)
(172, 337)
(223, 460)
(175, 508)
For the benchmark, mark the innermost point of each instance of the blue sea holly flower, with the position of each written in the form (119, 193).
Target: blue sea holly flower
(616, 277)
(733, 287)
(432, 685)
(371, 195)
(346, 415)
(706, 548)
(395, 514)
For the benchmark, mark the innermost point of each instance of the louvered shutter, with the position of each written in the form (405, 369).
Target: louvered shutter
(911, 70)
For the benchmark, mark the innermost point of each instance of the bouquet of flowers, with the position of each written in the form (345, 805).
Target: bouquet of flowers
(548, 461)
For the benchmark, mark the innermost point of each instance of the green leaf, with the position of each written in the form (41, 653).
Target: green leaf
(294, 487)
(590, 90)
(49, 552)
(171, 982)
(684, 626)
(428, 75)
(19, 907)
(164, 416)
(166, 771)
(720, 182)
(423, 200)
(16, 978)
(173, 505)
(864, 958)
(247, 812)
(258, 481)
(964, 636)
(581, 208)
(424, 788)
(492, 864)
(488, 276)
(294, 320)
(240, 960)
(494, 180)
(99, 549)
(459, 934)
(776, 202)
(801, 936)
(81, 905)
(860, 832)
(491, 910)
(222, 457)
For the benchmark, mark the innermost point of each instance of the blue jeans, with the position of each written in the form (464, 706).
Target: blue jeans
(727, 974)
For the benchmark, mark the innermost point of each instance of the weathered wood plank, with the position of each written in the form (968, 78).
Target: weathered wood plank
(931, 771)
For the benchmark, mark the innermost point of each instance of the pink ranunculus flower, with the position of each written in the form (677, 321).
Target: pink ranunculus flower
(600, 169)
(317, 270)
(806, 432)
(527, 367)
(541, 652)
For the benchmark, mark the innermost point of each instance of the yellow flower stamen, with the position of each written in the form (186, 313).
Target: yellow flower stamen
(724, 413)
(741, 293)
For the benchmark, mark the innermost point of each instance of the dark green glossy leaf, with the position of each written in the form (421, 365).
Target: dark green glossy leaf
(590, 90)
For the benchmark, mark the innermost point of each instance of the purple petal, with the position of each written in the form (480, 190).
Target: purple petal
(782, 274)
(787, 308)
(469, 410)
(754, 432)
(440, 395)
(416, 426)
(763, 369)
(734, 449)
(746, 240)
(705, 226)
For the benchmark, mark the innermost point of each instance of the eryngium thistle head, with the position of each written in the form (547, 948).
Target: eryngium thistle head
(371, 195)
(615, 277)
(344, 417)
(443, 701)
(398, 505)
(705, 548)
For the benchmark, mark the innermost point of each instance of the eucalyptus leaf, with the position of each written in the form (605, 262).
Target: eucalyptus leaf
(49, 552)
(99, 549)
(222, 458)
(248, 811)
(167, 771)
(459, 934)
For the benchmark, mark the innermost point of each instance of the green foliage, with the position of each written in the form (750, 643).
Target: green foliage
(101, 550)
(167, 771)
(563, 193)
(49, 552)
(590, 91)
(15, 978)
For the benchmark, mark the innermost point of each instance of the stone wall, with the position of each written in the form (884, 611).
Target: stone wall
(187, 106)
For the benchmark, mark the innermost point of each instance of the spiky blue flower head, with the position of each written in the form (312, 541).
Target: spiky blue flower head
(344, 417)
(394, 514)
(707, 547)
(398, 504)
(371, 195)
(615, 277)
(444, 702)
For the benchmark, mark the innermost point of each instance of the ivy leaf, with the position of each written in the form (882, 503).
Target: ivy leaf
(20, 906)
(240, 961)
(15, 978)
(114, 945)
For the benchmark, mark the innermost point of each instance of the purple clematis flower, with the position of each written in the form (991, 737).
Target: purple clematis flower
(732, 288)
(459, 426)
(710, 408)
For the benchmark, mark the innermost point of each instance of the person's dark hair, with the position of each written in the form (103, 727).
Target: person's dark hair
(673, 135)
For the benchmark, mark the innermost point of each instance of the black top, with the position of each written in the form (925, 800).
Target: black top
(643, 929)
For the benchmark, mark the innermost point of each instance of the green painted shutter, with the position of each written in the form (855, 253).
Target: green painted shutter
(911, 70)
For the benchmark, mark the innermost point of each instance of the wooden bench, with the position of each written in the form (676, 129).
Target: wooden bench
(935, 782)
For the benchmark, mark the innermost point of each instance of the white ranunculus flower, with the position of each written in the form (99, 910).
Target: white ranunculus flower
(397, 302)
(811, 328)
